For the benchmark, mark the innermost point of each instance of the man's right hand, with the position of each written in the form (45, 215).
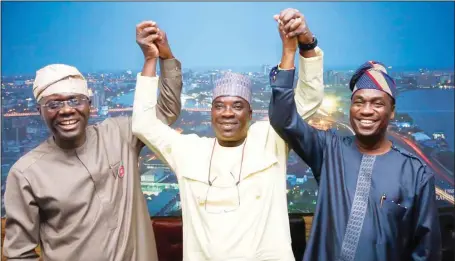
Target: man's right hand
(163, 46)
(147, 33)
(292, 24)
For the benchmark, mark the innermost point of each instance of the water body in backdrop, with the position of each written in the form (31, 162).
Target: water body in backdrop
(431, 109)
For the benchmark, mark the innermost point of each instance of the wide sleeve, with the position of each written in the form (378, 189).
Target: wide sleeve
(426, 243)
(22, 219)
(147, 127)
(169, 103)
(309, 91)
(289, 109)
(170, 88)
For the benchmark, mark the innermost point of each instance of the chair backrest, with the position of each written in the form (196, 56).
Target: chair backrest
(169, 238)
(168, 235)
(298, 235)
(447, 223)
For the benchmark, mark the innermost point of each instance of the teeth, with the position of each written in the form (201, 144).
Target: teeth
(68, 122)
(366, 121)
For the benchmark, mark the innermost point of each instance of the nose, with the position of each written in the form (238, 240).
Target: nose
(367, 109)
(228, 112)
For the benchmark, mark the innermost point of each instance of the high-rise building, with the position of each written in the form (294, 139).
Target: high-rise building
(212, 79)
(19, 126)
(337, 78)
(187, 75)
(332, 77)
(266, 69)
(98, 98)
(102, 94)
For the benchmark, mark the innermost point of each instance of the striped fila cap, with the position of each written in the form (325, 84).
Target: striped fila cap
(373, 75)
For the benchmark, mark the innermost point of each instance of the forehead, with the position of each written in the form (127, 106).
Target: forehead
(369, 94)
(230, 100)
(61, 96)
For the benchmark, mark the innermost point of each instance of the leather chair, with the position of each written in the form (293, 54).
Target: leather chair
(169, 238)
(298, 235)
(447, 223)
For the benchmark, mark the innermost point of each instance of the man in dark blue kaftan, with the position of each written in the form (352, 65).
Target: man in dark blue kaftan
(376, 201)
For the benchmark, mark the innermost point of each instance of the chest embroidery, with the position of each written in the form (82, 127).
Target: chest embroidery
(121, 170)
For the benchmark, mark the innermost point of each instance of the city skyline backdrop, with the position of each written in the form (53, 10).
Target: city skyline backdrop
(100, 36)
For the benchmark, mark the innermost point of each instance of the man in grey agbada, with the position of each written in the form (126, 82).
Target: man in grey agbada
(78, 194)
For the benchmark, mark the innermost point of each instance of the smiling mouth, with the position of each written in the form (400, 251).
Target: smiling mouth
(228, 125)
(366, 123)
(68, 125)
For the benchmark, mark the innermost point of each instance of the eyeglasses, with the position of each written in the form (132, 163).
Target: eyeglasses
(223, 195)
(73, 102)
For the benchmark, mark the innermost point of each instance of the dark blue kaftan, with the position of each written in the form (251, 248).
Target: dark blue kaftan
(404, 227)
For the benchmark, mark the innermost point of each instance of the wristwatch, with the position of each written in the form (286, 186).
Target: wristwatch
(310, 46)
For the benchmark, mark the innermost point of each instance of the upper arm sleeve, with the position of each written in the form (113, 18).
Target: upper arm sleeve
(309, 91)
(168, 105)
(146, 126)
(170, 89)
(290, 109)
(22, 219)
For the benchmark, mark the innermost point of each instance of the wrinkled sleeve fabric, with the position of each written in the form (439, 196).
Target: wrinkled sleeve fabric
(290, 109)
(427, 232)
(22, 219)
(147, 127)
(169, 104)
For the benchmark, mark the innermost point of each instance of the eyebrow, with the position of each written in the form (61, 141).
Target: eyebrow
(370, 99)
(65, 98)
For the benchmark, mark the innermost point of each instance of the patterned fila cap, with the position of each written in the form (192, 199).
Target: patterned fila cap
(233, 84)
(373, 75)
